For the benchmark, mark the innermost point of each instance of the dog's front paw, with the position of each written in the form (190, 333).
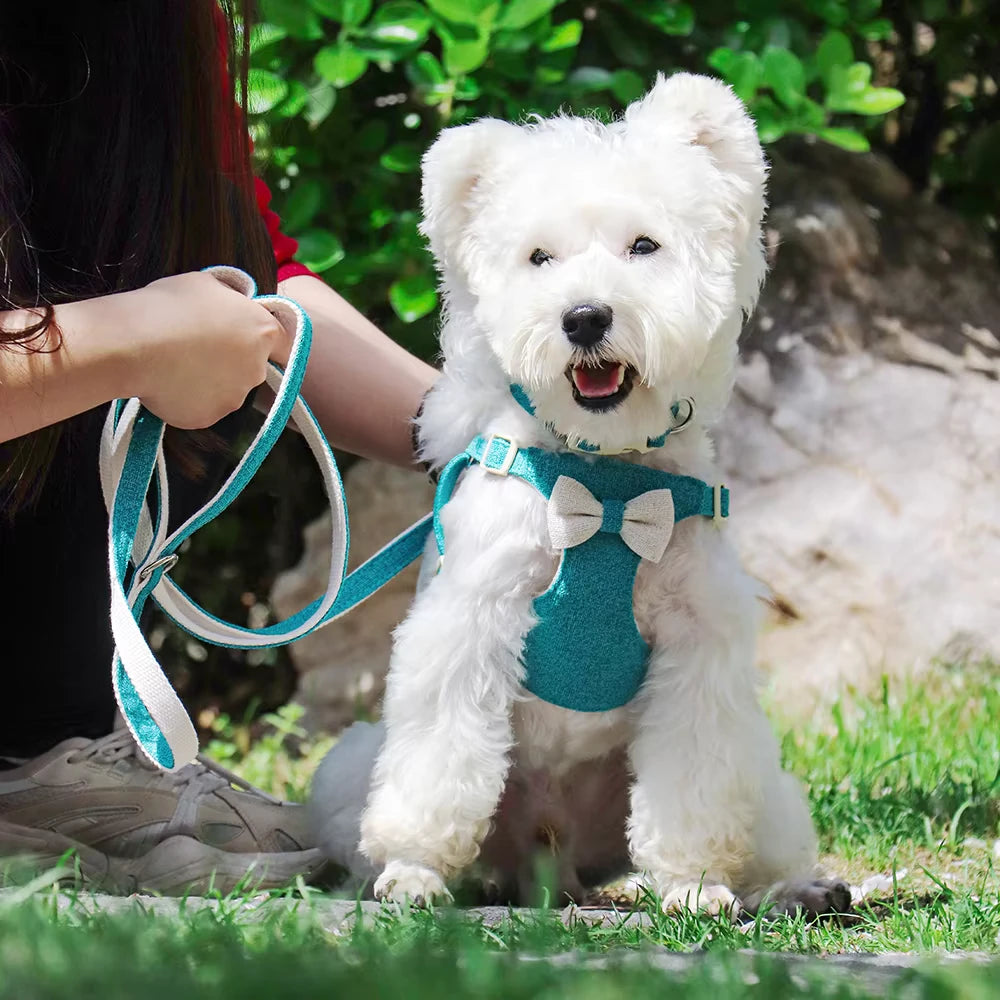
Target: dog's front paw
(696, 897)
(403, 880)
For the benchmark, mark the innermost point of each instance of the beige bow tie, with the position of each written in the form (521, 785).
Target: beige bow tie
(645, 523)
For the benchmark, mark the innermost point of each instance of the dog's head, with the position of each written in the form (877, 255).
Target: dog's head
(608, 264)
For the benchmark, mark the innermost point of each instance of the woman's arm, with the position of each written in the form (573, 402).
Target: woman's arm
(363, 388)
(58, 377)
(189, 347)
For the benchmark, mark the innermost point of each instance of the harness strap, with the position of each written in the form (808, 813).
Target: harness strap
(606, 477)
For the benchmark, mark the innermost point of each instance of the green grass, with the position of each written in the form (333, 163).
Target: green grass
(904, 784)
(919, 765)
(229, 953)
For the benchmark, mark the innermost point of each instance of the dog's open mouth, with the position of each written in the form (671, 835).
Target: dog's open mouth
(600, 385)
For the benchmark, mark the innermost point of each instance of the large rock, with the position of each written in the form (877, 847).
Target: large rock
(863, 443)
(867, 497)
(862, 446)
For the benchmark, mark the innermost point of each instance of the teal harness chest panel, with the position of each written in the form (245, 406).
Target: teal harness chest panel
(585, 653)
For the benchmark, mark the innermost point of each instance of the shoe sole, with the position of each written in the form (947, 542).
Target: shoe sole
(178, 866)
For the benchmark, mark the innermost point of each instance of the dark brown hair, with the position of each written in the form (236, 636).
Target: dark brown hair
(123, 158)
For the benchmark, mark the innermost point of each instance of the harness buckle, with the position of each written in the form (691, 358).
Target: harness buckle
(508, 460)
(717, 517)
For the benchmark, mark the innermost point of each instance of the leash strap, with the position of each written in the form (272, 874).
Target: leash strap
(141, 552)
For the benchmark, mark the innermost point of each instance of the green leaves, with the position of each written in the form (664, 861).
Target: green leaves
(742, 70)
(876, 101)
(350, 12)
(319, 104)
(806, 89)
(627, 86)
(474, 12)
(833, 53)
(400, 22)
(319, 250)
(590, 78)
(846, 138)
(303, 203)
(298, 19)
(850, 90)
(834, 12)
(785, 75)
(266, 90)
(413, 297)
(402, 158)
(564, 36)
(465, 55)
(518, 14)
(341, 64)
(429, 78)
(265, 34)
(672, 18)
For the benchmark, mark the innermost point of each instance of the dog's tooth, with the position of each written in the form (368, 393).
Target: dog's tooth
(621, 374)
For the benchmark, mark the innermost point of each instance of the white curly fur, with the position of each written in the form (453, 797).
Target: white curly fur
(710, 806)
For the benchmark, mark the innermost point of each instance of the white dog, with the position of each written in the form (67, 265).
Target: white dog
(595, 279)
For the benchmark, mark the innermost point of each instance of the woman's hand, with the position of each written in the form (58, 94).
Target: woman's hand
(188, 346)
(198, 348)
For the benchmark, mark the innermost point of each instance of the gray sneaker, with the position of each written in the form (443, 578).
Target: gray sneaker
(135, 828)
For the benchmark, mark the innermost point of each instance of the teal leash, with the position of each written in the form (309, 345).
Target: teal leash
(141, 552)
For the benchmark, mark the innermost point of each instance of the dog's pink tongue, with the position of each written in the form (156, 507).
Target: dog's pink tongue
(595, 382)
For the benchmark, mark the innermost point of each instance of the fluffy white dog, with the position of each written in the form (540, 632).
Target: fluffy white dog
(595, 277)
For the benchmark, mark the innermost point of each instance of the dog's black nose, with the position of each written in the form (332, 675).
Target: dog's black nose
(586, 324)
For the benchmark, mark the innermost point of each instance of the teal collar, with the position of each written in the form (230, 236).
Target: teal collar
(522, 399)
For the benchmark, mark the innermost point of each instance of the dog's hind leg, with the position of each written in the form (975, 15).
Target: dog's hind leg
(565, 833)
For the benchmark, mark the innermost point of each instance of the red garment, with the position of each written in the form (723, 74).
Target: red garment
(284, 246)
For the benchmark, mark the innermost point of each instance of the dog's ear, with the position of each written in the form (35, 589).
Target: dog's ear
(455, 168)
(702, 111)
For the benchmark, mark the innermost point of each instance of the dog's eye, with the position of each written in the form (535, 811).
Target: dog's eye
(643, 245)
(539, 257)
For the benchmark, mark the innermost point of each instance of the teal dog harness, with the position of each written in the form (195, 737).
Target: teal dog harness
(606, 515)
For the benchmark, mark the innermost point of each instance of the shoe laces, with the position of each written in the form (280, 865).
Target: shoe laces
(201, 777)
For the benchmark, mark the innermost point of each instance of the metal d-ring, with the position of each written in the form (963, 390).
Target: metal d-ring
(167, 562)
(682, 425)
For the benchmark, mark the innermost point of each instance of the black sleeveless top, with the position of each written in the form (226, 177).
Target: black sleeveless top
(55, 633)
